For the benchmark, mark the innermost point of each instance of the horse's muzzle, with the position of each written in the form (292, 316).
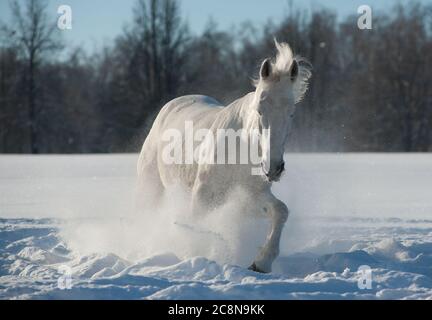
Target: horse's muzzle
(275, 174)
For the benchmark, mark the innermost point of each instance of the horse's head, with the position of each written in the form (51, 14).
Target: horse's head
(282, 83)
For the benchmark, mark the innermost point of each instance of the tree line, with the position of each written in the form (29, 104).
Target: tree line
(371, 90)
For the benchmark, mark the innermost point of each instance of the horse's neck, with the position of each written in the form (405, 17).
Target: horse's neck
(242, 114)
(241, 111)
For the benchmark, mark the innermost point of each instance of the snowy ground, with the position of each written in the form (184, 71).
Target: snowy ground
(73, 214)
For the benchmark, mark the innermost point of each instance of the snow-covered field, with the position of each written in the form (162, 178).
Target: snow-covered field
(61, 214)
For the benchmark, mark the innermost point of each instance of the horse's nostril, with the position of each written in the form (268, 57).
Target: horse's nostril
(280, 168)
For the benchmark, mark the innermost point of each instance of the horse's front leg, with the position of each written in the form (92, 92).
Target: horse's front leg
(278, 213)
(203, 195)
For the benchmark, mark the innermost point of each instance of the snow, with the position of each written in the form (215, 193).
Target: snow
(76, 213)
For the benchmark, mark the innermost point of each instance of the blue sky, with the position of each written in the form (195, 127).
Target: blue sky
(96, 22)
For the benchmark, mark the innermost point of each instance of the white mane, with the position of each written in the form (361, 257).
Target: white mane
(301, 84)
(284, 59)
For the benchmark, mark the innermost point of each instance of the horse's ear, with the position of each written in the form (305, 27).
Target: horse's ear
(294, 70)
(266, 69)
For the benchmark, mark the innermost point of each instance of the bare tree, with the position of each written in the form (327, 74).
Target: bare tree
(146, 69)
(10, 82)
(35, 37)
(160, 36)
(390, 92)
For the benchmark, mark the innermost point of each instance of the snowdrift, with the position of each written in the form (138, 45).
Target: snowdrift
(347, 211)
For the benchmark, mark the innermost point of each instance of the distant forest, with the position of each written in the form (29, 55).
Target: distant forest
(371, 90)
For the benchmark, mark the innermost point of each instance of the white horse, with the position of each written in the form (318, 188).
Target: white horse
(282, 83)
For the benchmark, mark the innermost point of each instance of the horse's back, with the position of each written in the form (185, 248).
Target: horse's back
(200, 110)
(196, 99)
(187, 108)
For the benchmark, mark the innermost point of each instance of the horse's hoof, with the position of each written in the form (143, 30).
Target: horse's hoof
(253, 267)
